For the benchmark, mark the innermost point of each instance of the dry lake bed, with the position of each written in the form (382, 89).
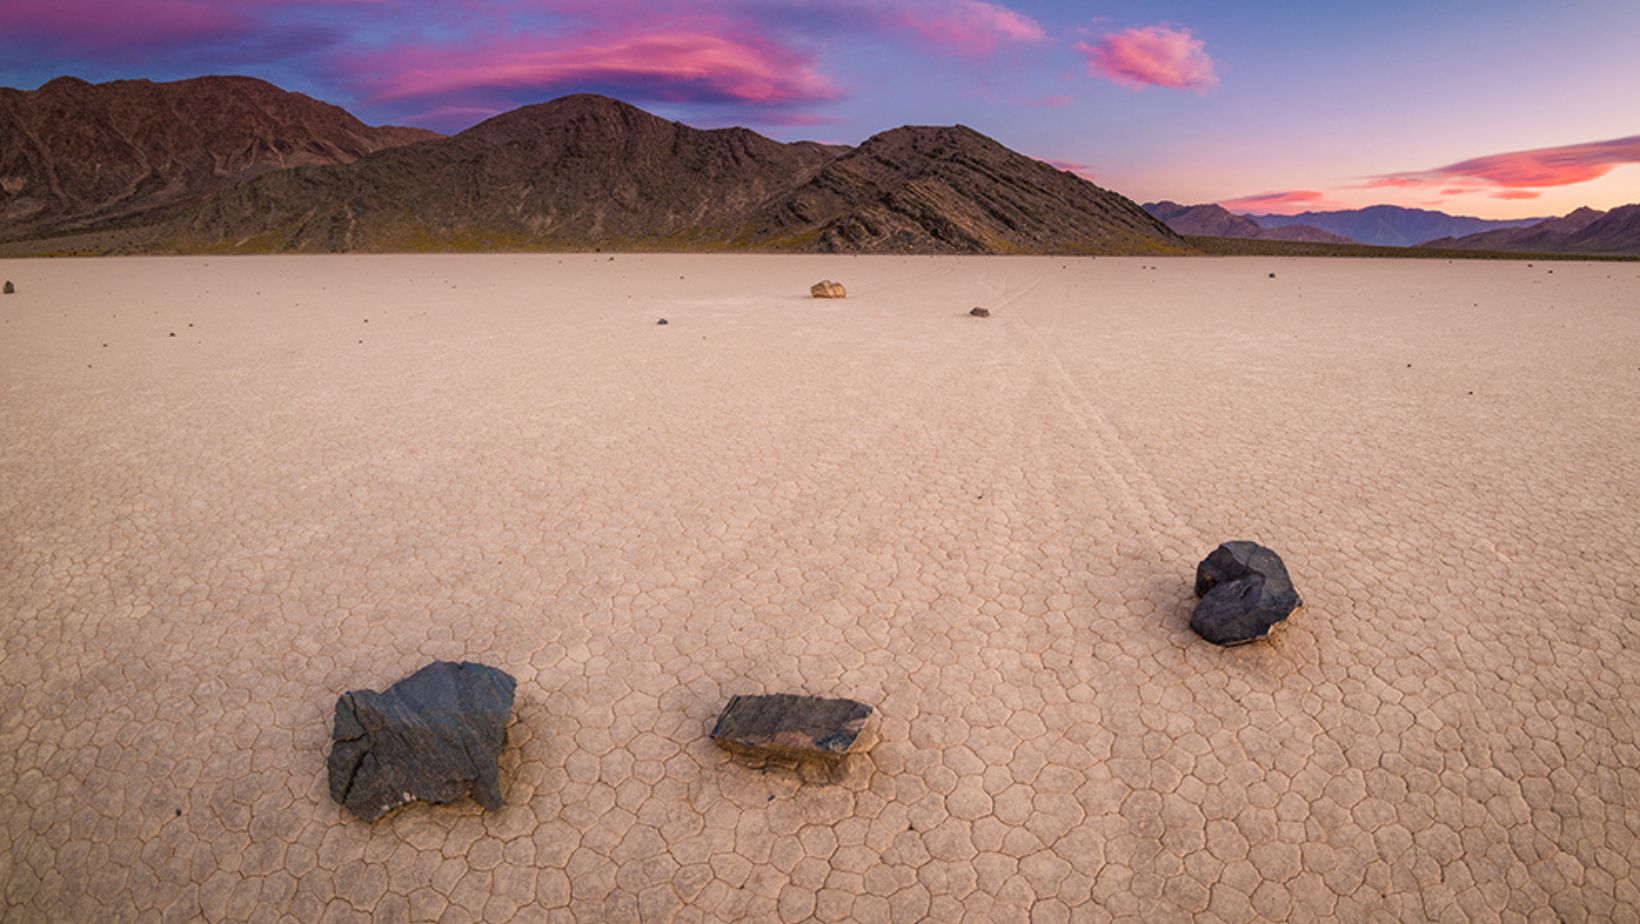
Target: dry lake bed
(339, 469)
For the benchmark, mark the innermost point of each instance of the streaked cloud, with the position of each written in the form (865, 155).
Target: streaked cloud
(969, 27)
(1531, 169)
(1151, 56)
(1285, 202)
(440, 64)
(668, 66)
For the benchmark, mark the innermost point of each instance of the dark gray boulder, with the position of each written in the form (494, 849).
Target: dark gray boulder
(1244, 591)
(790, 727)
(434, 736)
(980, 313)
(9, 288)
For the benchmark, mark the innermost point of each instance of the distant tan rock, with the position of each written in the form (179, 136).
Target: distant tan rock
(828, 289)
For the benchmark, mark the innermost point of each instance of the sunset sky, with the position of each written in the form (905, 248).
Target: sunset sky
(1497, 108)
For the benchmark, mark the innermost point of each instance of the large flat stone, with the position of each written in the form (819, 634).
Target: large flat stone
(787, 726)
(433, 736)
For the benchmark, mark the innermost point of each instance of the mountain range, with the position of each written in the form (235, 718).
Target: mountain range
(1584, 231)
(237, 165)
(1390, 225)
(77, 156)
(1218, 221)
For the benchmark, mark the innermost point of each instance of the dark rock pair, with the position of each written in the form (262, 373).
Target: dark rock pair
(433, 736)
(1244, 591)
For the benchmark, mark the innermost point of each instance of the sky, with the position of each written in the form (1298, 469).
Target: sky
(1495, 108)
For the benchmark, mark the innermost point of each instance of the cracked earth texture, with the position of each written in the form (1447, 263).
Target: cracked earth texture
(342, 468)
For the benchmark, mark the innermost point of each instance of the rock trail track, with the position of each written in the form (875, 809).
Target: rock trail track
(987, 529)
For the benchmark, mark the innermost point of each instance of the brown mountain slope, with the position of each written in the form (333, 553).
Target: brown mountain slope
(579, 171)
(1306, 234)
(586, 171)
(74, 155)
(1539, 238)
(929, 189)
(1616, 232)
(1584, 231)
(1217, 221)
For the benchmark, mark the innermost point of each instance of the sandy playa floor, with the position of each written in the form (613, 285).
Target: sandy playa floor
(340, 468)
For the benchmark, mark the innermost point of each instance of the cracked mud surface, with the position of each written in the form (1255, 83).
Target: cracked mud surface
(987, 531)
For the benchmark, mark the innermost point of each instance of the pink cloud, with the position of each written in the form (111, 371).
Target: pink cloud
(679, 66)
(1286, 202)
(1516, 194)
(1460, 190)
(1159, 56)
(1391, 182)
(130, 26)
(969, 27)
(99, 25)
(1538, 167)
(1561, 166)
(757, 62)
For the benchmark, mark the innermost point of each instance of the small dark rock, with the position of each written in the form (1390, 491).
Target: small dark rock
(8, 289)
(1244, 591)
(662, 321)
(173, 333)
(1272, 275)
(432, 736)
(787, 726)
(980, 313)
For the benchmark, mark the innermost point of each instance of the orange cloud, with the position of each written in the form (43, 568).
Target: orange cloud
(1516, 194)
(1391, 182)
(1151, 56)
(1286, 202)
(1536, 168)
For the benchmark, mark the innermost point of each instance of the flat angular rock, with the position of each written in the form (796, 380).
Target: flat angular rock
(433, 736)
(827, 289)
(980, 312)
(786, 726)
(1244, 591)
